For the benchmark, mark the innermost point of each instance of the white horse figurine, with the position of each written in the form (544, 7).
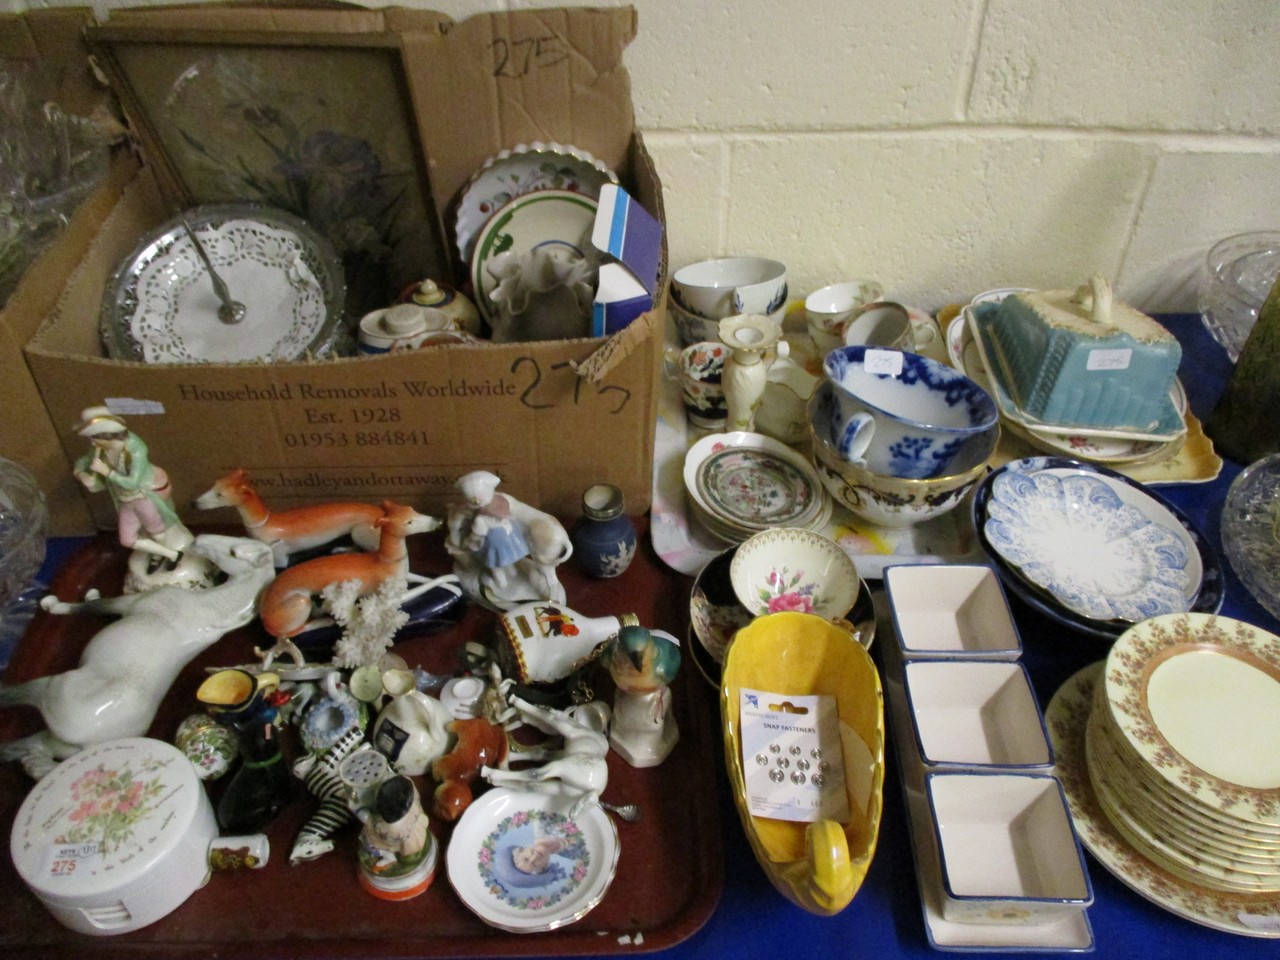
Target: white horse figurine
(130, 664)
(579, 769)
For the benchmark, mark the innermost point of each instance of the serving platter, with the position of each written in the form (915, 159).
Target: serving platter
(670, 864)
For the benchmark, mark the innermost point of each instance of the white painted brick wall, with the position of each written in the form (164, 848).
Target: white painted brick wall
(948, 146)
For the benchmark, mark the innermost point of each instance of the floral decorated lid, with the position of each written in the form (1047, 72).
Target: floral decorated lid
(115, 836)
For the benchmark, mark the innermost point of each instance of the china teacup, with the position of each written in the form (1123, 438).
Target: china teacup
(902, 414)
(699, 368)
(882, 323)
(715, 289)
(827, 310)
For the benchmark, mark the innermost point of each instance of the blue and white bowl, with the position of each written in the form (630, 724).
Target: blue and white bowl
(901, 414)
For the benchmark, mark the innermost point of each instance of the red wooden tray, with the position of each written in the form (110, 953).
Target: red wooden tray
(670, 871)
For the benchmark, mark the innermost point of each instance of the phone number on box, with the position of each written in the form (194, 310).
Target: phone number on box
(359, 438)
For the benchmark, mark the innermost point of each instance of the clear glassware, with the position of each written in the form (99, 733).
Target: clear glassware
(1251, 530)
(1239, 272)
(24, 524)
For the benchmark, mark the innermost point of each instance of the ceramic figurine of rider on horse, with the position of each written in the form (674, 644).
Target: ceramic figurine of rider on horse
(146, 521)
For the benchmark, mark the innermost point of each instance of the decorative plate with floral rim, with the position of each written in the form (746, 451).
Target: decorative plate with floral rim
(749, 482)
(522, 863)
(1197, 698)
(520, 170)
(1252, 914)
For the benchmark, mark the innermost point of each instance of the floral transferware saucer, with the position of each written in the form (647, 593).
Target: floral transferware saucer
(742, 482)
(522, 864)
(1102, 550)
(1252, 914)
(521, 170)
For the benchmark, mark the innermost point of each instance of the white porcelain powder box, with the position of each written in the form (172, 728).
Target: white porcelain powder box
(116, 836)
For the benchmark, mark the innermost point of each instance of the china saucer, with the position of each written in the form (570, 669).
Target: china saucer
(495, 870)
(740, 483)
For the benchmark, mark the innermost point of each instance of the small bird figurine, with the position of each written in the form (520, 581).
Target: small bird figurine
(643, 663)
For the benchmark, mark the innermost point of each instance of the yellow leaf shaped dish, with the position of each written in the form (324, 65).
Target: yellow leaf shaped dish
(818, 865)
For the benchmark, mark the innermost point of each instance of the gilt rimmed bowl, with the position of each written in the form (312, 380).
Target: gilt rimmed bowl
(889, 501)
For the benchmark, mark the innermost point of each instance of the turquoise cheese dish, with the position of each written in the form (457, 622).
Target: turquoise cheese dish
(1082, 358)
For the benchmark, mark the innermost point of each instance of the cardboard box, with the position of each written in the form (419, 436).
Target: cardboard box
(550, 417)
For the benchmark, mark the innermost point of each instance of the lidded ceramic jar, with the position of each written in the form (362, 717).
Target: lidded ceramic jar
(119, 835)
(604, 537)
(449, 301)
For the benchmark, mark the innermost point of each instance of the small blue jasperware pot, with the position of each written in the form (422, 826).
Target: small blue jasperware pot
(901, 414)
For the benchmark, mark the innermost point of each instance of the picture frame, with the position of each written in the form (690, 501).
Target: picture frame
(321, 124)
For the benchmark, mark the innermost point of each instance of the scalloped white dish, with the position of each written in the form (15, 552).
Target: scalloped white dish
(523, 895)
(521, 170)
(1102, 551)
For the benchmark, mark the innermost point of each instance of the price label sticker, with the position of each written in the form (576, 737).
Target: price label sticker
(1109, 359)
(888, 362)
(65, 860)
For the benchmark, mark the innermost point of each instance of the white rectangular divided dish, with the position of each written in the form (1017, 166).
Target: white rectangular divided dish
(1008, 849)
(976, 713)
(951, 610)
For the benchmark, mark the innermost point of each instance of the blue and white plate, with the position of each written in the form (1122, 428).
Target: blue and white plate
(1202, 587)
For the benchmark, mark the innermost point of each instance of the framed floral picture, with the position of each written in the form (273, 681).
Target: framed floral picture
(320, 125)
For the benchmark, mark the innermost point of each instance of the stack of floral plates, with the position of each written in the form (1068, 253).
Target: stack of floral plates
(740, 483)
(1180, 747)
(1171, 778)
(1092, 548)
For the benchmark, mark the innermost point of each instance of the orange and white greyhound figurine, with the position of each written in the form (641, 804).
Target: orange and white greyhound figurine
(286, 606)
(291, 531)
